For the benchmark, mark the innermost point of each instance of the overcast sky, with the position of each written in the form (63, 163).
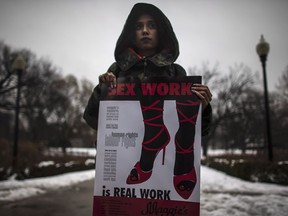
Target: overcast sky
(79, 36)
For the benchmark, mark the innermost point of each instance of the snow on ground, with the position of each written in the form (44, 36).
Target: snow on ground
(72, 151)
(221, 194)
(12, 190)
(225, 195)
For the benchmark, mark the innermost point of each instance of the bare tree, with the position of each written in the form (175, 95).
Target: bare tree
(209, 78)
(279, 118)
(237, 107)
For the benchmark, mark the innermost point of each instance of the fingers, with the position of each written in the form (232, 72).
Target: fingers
(108, 78)
(203, 92)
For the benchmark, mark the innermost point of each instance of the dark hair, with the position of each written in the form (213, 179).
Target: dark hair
(166, 36)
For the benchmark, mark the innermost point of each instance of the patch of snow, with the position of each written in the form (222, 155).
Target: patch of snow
(89, 161)
(225, 195)
(46, 163)
(69, 164)
(12, 190)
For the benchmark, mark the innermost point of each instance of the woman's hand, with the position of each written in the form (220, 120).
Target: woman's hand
(108, 78)
(203, 92)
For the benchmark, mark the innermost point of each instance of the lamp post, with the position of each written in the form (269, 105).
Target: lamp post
(262, 49)
(18, 66)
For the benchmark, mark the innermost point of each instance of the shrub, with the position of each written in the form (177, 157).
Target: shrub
(30, 157)
(250, 167)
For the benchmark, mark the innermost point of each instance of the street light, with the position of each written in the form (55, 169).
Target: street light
(262, 49)
(18, 66)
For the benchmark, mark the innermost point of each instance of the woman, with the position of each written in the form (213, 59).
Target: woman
(148, 47)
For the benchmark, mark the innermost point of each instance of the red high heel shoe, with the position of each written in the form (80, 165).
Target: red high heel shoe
(184, 184)
(185, 179)
(153, 118)
(142, 176)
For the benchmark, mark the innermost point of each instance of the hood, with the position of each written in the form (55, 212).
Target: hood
(168, 50)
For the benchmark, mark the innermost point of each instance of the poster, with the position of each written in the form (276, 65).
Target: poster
(153, 125)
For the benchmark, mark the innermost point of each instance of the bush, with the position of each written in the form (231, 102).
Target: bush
(32, 162)
(250, 167)
(64, 165)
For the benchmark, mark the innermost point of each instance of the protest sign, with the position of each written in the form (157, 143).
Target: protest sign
(153, 125)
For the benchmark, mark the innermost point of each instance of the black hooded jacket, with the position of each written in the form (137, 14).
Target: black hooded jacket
(131, 65)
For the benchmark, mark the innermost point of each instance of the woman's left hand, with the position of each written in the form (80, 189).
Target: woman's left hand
(203, 92)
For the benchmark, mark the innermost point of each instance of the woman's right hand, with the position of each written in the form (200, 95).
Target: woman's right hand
(108, 78)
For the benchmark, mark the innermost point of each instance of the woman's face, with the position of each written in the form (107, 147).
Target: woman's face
(146, 35)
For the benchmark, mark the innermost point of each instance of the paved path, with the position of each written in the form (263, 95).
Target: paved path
(75, 200)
